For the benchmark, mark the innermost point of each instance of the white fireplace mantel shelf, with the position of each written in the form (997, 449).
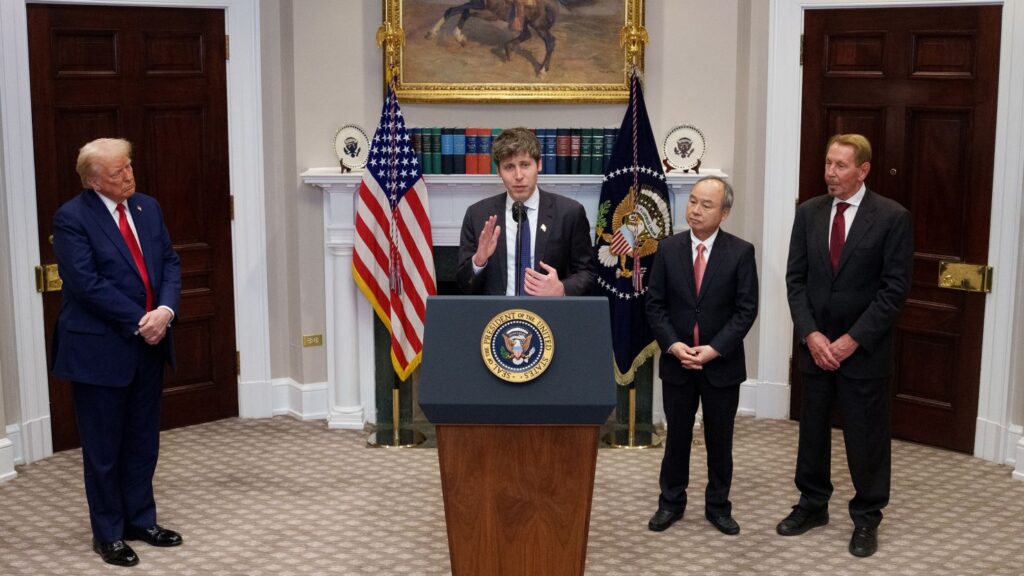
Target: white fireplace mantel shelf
(349, 338)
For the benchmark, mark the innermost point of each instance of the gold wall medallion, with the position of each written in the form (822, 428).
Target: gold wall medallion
(517, 345)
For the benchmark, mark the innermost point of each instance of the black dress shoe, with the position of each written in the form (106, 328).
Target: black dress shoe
(117, 553)
(725, 524)
(864, 541)
(662, 519)
(154, 536)
(801, 520)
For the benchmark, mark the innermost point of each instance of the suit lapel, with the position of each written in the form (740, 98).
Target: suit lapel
(862, 222)
(687, 267)
(820, 234)
(142, 230)
(713, 258)
(501, 252)
(104, 221)
(545, 223)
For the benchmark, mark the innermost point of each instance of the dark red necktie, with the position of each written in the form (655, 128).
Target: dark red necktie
(838, 236)
(133, 247)
(698, 277)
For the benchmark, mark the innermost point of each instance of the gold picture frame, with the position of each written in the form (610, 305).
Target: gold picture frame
(432, 59)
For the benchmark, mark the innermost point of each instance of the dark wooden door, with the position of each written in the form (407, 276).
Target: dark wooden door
(156, 77)
(921, 84)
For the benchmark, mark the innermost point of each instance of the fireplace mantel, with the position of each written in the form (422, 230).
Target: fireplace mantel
(349, 330)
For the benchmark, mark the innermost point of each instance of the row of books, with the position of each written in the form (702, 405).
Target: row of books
(468, 150)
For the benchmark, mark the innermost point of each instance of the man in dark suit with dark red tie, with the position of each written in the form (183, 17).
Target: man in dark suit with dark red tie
(701, 302)
(121, 290)
(849, 272)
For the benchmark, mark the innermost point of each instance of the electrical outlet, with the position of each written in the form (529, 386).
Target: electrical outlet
(312, 340)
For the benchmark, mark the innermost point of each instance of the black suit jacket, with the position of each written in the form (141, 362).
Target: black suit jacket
(726, 306)
(563, 242)
(864, 296)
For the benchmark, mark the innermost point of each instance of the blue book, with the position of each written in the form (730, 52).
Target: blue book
(459, 151)
(548, 156)
(447, 151)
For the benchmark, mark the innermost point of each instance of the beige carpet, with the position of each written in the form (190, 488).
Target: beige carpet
(280, 496)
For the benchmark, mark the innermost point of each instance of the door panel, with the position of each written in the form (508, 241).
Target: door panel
(156, 77)
(921, 84)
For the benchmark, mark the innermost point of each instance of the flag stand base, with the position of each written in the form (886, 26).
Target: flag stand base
(395, 436)
(387, 438)
(630, 437)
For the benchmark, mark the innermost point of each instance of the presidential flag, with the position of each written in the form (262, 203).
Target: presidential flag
(633, 216)
(393, 262)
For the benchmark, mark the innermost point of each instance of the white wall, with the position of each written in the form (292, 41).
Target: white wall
(691, 77)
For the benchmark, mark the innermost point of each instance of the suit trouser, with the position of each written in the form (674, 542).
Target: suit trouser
(864, 406)
(120, 432)
(681, 400)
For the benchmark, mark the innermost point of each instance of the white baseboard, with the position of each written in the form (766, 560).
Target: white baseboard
(1015, 450)
(14, 435)
(7, 471)
(36, 440)
(764, 399)
(255, 399)
(302, 401)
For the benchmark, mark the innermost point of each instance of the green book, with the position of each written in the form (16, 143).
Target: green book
(586, 150)
(435, 150)
(494, 134)
(597, 151)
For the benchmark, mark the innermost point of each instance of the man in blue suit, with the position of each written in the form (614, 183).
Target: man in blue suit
(121, 291)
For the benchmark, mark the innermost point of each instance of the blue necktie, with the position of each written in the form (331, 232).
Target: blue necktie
(524, 250)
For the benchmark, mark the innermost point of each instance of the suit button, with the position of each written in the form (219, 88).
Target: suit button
(697, 311)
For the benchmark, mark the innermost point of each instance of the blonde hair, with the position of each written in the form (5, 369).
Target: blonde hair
(514, 141)
(97, 149)
(861, 146)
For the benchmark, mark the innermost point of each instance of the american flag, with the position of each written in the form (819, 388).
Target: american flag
(394, 263)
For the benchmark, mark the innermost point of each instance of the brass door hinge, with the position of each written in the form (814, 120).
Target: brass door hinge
(238, 363)
(227, 47)
(48, 279)
(232, 200)
(801, 49)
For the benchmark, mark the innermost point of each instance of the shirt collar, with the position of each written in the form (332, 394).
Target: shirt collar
(110, 204)
(707, 243)
(854, 200)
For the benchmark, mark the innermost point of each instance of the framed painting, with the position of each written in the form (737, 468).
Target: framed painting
(512, 50)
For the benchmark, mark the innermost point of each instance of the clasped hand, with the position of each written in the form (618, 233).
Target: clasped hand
(693, 357)
(829, 355)
(153, 326)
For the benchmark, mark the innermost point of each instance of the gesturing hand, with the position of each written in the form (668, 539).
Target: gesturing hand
(488, 241)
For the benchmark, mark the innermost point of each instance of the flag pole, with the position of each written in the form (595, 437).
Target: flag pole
(396, 436)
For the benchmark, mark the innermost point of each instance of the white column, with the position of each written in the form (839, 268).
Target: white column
(343, 394)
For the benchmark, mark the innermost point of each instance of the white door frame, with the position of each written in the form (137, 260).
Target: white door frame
(993, 437)
(248, 235)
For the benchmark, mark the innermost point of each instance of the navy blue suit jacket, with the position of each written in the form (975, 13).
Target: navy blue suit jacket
(726, 306)
(95, 341)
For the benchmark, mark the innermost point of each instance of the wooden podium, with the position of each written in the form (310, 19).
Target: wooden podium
(517, 459)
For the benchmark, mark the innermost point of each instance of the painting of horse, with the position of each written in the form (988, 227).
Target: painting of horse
(529, 44)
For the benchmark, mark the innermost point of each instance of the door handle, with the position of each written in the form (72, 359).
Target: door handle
(48, 279)
(965, 277)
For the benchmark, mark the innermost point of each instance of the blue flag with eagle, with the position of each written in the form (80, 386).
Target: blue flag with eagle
(633, 216)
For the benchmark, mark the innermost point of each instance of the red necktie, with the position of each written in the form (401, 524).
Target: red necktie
(698, 277)
(133, 247)
(837, 238)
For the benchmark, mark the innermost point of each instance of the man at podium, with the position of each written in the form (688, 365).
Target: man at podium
(701, 303)
(524, 241)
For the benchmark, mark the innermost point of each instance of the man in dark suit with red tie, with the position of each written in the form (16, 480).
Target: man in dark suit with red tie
(701, 302)
(554, 240)
(121, 290)
(849, 272)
